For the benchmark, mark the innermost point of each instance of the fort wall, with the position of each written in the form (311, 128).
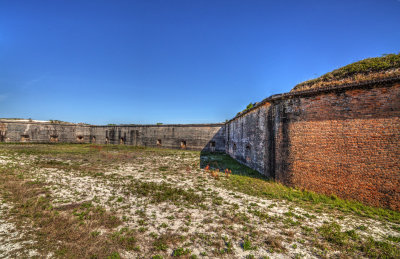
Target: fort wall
(343, 141)
(207, 137)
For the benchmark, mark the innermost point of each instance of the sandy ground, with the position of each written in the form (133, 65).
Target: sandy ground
(208, 226)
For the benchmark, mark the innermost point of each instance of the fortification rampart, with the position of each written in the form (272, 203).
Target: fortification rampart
(342, 140)
(207, 137)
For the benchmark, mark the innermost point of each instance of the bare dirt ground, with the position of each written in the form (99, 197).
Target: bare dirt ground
(125, 202)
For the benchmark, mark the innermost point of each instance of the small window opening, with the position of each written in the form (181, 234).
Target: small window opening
(53, 138)
(159, 142)
(25, 138)
(248, 153)
(183, 144)
(212, 146)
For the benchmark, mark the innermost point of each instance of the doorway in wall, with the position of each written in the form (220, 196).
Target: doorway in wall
(53, 138)
(247, 153)
(25, 138)
(183, 144)
(212, 146)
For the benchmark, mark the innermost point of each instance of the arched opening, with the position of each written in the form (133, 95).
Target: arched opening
(93, 140)
(79, 138)
(53, 138)
(247, 153)
(212, 146)
(2, 136)
(159, 142)
(107, 140)
(183, 144)
(25, 138)
(121, 141)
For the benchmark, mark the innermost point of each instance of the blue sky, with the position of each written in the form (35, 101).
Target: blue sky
(176, 61)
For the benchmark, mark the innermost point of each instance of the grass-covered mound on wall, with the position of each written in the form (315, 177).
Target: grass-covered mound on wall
(367, 69)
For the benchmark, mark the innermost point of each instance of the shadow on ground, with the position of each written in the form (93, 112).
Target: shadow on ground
(222, 161)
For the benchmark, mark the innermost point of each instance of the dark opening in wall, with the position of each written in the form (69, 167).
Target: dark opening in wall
(79, 138)
(234, 148)
(122, 141)
(212, 146)
(183, 144)
(1, 136)
(159, 142)
(25, 138)
(107, 140)
(53, 138)
(93, 139)
(247, 153)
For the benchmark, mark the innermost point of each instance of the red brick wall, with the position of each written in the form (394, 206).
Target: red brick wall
(345, 143)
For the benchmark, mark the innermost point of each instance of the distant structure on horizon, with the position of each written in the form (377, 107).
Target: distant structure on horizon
(337, 134)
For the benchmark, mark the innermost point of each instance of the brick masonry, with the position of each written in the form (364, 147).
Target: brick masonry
(342, 140)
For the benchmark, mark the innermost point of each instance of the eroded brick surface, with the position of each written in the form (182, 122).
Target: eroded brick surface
(343, 142)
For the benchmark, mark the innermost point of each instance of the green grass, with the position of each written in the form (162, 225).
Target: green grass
(243, 178)
(379, 249)
(85, 217)
(249, 181)
(365, 66)
(162, 192)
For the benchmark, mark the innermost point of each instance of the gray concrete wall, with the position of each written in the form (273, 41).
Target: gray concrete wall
(247, 139)
(206, 137)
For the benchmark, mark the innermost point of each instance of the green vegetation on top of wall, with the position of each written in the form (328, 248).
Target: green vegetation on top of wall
(366, 69)
(248, 107)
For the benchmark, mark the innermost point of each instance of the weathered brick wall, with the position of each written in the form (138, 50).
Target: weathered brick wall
(343, 140)
(345, 143)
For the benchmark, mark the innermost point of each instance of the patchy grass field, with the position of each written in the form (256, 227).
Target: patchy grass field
(86, 201)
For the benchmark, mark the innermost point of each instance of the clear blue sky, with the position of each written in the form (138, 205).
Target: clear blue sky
(176, 61)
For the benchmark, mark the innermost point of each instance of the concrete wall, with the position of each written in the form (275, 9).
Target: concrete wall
(206, 137)
(247, 139)
(343, 141)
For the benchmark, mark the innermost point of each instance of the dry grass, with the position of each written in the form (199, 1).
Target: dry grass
(70, 225)
(76, 201)
(357, 72)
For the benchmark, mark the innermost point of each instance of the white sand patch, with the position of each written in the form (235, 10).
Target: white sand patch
(12, 241)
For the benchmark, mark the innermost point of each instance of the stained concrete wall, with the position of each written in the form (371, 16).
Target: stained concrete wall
(247, 139)
(341, 140)
(206, 137)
